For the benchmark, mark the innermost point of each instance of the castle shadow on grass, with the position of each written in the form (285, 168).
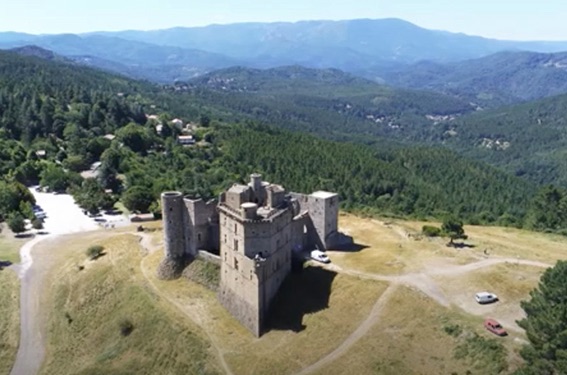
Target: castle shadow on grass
(303, 292)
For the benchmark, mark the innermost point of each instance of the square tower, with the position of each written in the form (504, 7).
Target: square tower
(323, 210)
(255, 251)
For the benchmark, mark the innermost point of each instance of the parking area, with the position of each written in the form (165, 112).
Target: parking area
(62, 215)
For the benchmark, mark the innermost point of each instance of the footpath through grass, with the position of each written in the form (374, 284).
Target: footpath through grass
(105, 319)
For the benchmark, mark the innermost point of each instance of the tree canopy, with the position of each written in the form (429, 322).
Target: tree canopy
(546, 324)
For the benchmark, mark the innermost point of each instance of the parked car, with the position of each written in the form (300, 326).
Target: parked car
(495, 327)
(320, 256)
(485, 297)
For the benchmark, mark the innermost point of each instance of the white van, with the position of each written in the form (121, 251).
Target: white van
(485, 297)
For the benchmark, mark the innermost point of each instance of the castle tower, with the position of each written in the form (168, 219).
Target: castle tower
(324, 212)
(255, 251)
(173, 213)
(175, 237)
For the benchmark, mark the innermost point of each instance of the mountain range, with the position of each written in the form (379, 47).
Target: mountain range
(365, 47)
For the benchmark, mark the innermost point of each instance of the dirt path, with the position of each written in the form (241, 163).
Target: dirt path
(358, 333)
(63, 217)
(31, 349)
(421, 281)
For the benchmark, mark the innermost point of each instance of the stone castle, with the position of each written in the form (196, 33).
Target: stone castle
(256, 229)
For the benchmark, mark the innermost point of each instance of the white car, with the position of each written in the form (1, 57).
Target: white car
(485, 297)
(320, 256)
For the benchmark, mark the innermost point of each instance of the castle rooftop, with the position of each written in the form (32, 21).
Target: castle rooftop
(323, 194)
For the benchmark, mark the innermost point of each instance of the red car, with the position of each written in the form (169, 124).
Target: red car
(494, 327)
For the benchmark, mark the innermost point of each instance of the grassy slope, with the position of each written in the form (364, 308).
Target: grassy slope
(410, 339)
(9, 301)
(283, 349)
(96, 299)
(10, 319)
(180, 325)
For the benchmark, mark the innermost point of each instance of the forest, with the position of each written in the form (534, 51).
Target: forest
(54, 119)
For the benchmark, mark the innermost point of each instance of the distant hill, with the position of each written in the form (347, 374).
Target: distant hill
(329, 102)
(528, 140)
(391, 40)
(364, 47)
(41, 98)
(36, 51)
(135, 59)
(502, 78)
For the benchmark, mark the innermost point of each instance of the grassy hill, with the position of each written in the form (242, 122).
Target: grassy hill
(413, 293)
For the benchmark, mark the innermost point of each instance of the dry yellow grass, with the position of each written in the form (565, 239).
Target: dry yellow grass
(409, 338)
(279, 351)
(179, 324)
(392, 247)
(511, 282)
(396, 247)
(85, 310)
(9, 319)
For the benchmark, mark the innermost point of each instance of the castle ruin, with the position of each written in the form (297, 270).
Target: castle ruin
(256, 229)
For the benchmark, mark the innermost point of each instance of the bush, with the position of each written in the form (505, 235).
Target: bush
(126, 327)
(94, 251)
(16, 222)
(431, 231)
(37, 224)
(453, 330)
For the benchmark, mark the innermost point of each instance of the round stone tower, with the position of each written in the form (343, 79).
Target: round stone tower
(256, 182)
(172, 209)
(174, 235)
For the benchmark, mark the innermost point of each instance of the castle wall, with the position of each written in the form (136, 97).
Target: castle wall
(253, 283)
(201, 219)
(238, 291)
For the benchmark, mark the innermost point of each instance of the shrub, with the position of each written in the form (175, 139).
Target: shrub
(37, 224)
(94, 251)
(431, 231)
(453, 329)
(126, 327)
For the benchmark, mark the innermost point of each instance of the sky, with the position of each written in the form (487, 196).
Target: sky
(501, 19)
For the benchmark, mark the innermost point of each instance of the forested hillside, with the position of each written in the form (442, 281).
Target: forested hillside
(528, 140)
(67, 112)
(491, 81)
(328, 103)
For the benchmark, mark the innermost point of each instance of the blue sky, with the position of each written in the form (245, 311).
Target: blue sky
(503, 19)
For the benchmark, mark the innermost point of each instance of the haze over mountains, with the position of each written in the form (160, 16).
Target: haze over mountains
(382, 50)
